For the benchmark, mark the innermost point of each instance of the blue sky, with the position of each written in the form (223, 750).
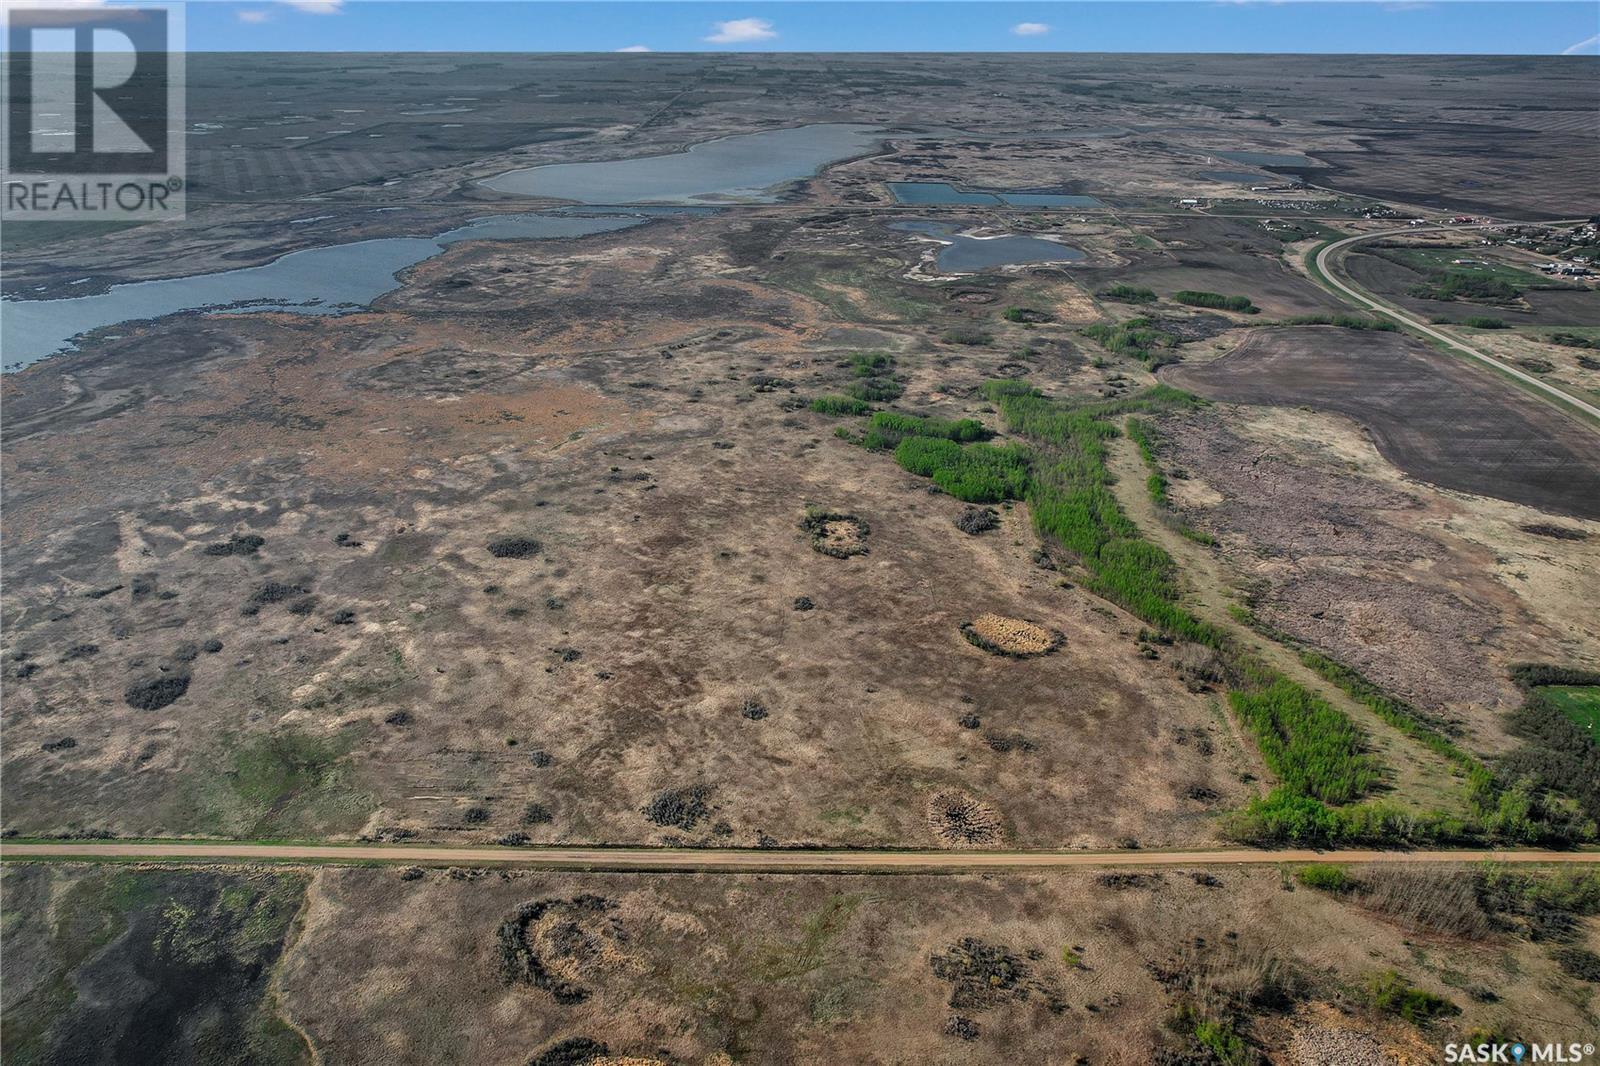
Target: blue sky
(1528, 27)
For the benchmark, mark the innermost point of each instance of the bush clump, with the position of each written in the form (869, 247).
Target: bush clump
(976, 520)
(1128, 294)
(840, 405)
(887, 429)
(238, 544)
(1484, 322)
(154, 693)
(976, 473)
(1328, 876)
(514, 548)
(1137, 337)
(679, 808)
(1389, 993)
(1215, 300)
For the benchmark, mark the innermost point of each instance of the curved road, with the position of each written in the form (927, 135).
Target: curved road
(734, 860)
(1325, 267)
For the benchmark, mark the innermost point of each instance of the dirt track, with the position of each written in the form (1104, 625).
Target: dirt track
(737, 860)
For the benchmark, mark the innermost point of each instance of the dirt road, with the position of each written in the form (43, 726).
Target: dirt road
(730, 860)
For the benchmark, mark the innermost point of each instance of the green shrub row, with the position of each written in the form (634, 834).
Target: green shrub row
(891, 428)
(1312, 747)
(1343, 322)
(1198, 298)
(1128, 294)
(840, 405)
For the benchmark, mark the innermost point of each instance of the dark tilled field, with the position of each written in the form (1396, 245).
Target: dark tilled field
(1439, 419)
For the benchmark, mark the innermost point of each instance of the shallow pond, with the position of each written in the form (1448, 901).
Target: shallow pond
(748, 168)
(316, 281)
(963, 254)
(1268, 159)
(942, 192)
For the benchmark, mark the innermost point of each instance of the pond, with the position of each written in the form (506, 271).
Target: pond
(943, 192)
(1268, 159)
(747, 168)
(316, 281)
(963, 254)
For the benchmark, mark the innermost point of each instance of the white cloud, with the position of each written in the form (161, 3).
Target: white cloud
(1583, 47)
(1031, 29)
(737, 31)
(317, 7)
(254, 17)
(635, 48)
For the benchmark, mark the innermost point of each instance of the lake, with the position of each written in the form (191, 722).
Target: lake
(748, 168)
(316, 281)
(943, 192)
(963, 254)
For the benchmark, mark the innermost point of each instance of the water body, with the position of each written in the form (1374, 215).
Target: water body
(316, 281)
(942, 192)
(748, 168)
(1268, 159)
(962, 254)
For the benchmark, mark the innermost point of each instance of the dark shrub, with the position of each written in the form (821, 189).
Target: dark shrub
(399, 718)
(1580, 963)
(574, 1052)
(80, 651)
(678, 808)
(514, 548)
(536, 814)
(238, 544)
(154, 693)
(975, 520)
(59, 745)
(475, 815)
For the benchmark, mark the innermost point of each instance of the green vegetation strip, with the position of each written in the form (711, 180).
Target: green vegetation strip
(1216, 300)
(1317, 753)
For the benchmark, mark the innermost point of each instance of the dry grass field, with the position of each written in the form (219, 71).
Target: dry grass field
(754, 528)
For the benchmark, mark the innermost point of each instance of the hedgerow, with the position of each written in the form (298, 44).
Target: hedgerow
(1197, 298)
(888, 429)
